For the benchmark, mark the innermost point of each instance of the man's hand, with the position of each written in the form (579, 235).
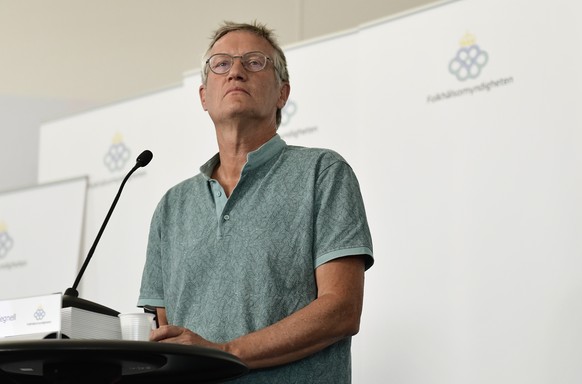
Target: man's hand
(180, 335)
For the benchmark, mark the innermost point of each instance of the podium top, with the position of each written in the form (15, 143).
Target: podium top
(133, 361)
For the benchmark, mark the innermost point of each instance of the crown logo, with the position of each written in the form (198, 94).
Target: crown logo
(118, 138)
(467, 40)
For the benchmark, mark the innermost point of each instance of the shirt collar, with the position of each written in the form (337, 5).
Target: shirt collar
(255, 158)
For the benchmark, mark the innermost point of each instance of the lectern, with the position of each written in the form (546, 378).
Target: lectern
(113, 361)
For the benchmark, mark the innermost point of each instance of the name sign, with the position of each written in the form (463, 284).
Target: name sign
(30, 316)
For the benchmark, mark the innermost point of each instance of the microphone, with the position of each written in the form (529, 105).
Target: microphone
(71, 296)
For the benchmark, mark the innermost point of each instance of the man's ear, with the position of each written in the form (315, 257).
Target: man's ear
(202, 93)
(284, 95)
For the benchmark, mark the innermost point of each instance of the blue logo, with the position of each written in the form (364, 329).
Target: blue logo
(6, 241)
(469, 60)
(39, 314)
(117, 155)
(287, 112)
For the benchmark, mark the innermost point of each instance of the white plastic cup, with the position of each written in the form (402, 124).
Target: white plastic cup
(136, 326)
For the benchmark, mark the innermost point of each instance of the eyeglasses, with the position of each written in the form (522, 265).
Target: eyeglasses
(221, 63)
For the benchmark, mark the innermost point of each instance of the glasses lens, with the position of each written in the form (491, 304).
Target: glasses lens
(220, 63)
(254, 61)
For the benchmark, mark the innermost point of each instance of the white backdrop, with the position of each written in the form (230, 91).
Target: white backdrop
(475, 198)
(471, 182)
(40, 241)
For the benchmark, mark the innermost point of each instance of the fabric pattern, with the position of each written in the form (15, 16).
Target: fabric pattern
(227, 267)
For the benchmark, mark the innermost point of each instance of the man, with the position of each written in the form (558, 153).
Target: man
(263, 253)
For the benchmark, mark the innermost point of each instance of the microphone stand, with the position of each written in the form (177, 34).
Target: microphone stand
(71, 297)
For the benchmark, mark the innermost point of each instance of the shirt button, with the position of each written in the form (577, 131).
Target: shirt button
(226, 217)
(218, 193)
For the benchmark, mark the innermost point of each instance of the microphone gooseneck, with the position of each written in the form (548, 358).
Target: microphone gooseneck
(71, 296)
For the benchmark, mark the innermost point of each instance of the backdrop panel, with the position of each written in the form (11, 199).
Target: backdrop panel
(474, 183)
(321, 110)
(40, 238)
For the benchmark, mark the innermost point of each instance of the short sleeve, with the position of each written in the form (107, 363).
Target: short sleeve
(152, 288)
(341, 226)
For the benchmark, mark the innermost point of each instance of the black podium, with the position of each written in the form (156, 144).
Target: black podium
(113, 361)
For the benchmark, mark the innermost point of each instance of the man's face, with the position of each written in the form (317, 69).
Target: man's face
(241, 95)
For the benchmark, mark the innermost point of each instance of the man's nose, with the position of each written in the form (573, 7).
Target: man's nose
(237, 71)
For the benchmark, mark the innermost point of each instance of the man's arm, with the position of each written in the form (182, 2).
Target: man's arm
(161, 315)
(332, 316)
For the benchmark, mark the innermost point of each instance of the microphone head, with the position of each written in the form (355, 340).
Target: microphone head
(144, 158)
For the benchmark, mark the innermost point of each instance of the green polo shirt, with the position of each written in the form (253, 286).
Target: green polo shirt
(224, 267)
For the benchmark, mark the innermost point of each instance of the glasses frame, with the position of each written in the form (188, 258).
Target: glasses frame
(233, 57)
